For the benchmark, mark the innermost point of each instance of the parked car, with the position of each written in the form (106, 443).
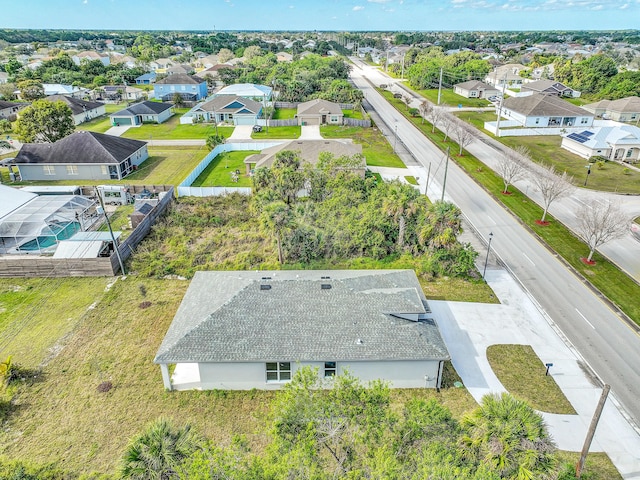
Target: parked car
(257, 128)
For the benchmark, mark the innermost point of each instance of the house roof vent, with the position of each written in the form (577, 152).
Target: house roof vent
(265, 287)
(325, 286)
(359, 342)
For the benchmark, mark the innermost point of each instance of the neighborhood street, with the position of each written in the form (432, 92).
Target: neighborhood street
(608, 345)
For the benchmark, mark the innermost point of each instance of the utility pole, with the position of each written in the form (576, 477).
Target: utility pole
(426, 187)
(592, 430)
(440, 86)
(402, 74)
(113, 238)
(504, 87)
(446, 167)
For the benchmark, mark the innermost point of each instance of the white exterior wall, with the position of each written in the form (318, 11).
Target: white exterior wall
(91, 114)
(246, 376)
(582, 150)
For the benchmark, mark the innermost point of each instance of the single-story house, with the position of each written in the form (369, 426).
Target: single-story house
(550, 87)
(143, 112)
(475, 89)
(284, 57)
(123, 92)
(188, 87)
(213, 71)
(249, 329)
(205, 62)
(319, 112)
(309, 151)
(90, 56)
(82, 110)
(622, 110)
(59, 89)
(160, 65)
(539, 111)
(82, 155)
(9, 110)
(226, 108)
(146, 78)
(248, 90)
(620, 143)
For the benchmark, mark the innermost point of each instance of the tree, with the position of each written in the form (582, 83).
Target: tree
(277, 216)
(435, 115)
(425, 109)
(214, 140)
(406, 99)
(44, 122)
(177, 100)
(552, 186)
(513, 166)
(159, 451)
(31, 90)
(507, 435)
(464, 136)
(399, 203)
(446, 122)
(600, 223)
(6, 91)
(224, 55)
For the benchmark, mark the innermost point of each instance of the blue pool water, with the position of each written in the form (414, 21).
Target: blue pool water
(61, 232)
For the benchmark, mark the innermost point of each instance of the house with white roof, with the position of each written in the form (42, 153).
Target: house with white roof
(247, 90)
(619, 143)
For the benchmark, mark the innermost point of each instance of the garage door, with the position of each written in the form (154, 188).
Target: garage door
(244, 120)
(122, 121)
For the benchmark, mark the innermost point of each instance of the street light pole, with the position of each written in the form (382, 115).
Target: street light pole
(588, 173)
(395, 137)
(486, 259)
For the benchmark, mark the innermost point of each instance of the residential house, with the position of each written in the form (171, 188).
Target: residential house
(248, 90)
(309, 151)
(225, 108)
(284, 57)
(540, 111)
(146, 79)
(82, 155)
(619, 143)
(9, 110)
(176, 69)
(506, 76)
(143, 112)
(82, 110)
(89, 56)
(621, 110)
(4, 77)
(247, 329)
(188, 87)
(126, 60)
(161, 64)
(549, 87)
(123, 92)
(475, 89)
(59, 89)
(205, 62)
(319, 112)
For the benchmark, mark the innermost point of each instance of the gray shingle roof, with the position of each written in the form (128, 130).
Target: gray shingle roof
(143, 108)
(543, 105)
(180, 79)
(545, 85)
(75, 104)
(317, 106)
(227, 317)
(80, 147)
(475, 85)
(220, 104)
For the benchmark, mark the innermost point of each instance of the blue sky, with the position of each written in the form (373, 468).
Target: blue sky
(347, 15)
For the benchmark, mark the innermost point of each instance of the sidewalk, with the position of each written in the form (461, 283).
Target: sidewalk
(469, 328)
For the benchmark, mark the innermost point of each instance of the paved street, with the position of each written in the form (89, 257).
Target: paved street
(606, 343)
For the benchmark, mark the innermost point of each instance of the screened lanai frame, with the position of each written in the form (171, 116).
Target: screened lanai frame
(41, 223)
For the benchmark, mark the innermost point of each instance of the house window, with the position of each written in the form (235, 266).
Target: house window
(537, 121)
(334, 118)
(72, 169)
(49, 169)
(330, 369)
(103, 170)
(278, 371)
(628, 153)
(584, 121)
(183, 88)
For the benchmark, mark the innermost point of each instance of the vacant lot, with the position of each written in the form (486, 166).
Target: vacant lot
(173, 130)
(218, 172)
(447, 97)
(284, 113)
(375, 147)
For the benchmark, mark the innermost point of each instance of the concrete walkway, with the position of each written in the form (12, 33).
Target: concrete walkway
(469, 328)
(310, 132)
(117, 131)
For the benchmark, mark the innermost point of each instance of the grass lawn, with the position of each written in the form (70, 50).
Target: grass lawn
(546, 149)
(411, 179)
(616, 285)
(375, 148)
(277, 133)
(218, 172)
(165, 166)
(173, 130)
(523, 374)
(352, 114)
(284, 113)
(99, 125)
(119, 221)
(447, 97)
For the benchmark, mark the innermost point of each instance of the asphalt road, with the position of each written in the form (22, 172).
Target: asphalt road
(608, 345)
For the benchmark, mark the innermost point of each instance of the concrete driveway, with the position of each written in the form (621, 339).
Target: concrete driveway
(469, 328)
(241, 132)
(117, 131)
(310, 132)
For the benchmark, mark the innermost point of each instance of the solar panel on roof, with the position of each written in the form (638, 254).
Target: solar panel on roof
(578, 137)
(586, 133)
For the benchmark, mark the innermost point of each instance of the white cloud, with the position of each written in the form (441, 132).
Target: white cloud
(378, 1)
(358, 7)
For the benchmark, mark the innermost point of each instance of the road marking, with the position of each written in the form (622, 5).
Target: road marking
(491, 220)
(585, 319)
(525, 256)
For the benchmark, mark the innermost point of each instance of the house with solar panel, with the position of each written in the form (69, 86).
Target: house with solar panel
(545, 111)
(619, 143)
(248, 329)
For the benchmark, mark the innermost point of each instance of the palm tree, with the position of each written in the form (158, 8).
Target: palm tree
(442, 225)
(508, 436)
(276, 217)
(400, 203)
(159, 451)
(4, 145)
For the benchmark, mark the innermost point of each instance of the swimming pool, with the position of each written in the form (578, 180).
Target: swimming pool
(59, 231)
